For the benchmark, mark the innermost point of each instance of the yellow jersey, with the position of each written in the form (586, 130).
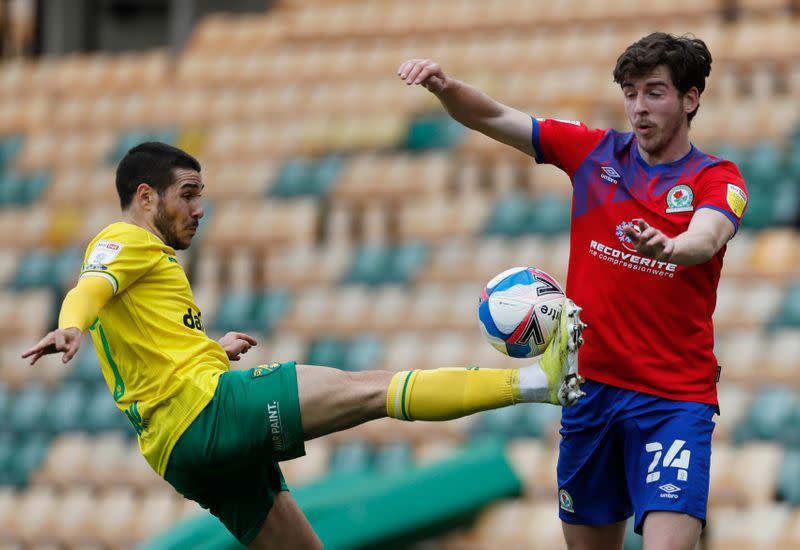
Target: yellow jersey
(159, 364)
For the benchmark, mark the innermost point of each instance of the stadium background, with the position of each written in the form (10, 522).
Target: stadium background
(349, 222)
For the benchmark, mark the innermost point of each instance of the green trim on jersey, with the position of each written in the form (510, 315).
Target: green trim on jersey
(119, 384)
(101, 272)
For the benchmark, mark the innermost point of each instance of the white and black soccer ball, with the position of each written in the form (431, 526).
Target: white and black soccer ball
(519, 311)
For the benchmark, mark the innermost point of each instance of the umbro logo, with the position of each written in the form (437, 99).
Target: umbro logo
(610, 174)
(669, 491)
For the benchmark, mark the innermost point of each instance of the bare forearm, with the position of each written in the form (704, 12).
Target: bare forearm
(468, 105)
(693, 247)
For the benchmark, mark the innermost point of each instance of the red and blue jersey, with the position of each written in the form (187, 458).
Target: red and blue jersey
(650, 322)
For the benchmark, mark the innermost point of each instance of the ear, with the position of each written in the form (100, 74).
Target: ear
(691, 100)
(145, 196)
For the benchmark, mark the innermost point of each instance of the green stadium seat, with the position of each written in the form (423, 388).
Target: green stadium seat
(33, 271)
(269, 309)
(8, 448)
(65, 267)
(235, 311)
(326, 173)
(101, 414)
(505, 422)
(789, 313)
(363, 353)
(433, 131)
(64, 412)
(12, 189)
(509, 217)
(9, 147)
(770, 416)
(406, 261)
(538, 419)
(26, 413)
(763, 165)
(293, 179)
(328, 351)
(370, 266)
(731, 152)
(549, 215)
(32, 186)
(86, 369)
(786, 202)
(135, 137)
(28, 454)
(789, 478)
(5, 400)
(351, 457)
(392, 458)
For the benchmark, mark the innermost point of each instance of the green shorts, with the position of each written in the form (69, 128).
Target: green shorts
(226, 459)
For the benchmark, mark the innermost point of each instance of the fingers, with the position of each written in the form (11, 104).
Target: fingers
(417, 71)
(71, 349)
(247, 338)
(60, 341)
(36, 356)
(40, 347)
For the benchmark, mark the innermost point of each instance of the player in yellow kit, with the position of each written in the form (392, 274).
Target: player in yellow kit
(217, 434)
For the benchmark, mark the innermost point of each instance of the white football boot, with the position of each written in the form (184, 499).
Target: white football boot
(560, 360)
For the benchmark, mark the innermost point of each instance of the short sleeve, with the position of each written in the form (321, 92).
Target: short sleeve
(722, 188)
(563, 143)
(119, 260)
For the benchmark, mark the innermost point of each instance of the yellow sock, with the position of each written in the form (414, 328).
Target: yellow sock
(444, 394)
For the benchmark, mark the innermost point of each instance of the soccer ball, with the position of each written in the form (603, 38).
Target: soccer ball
(519, 311)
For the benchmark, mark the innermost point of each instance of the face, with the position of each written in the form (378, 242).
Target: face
(179, 211)
(657, 111)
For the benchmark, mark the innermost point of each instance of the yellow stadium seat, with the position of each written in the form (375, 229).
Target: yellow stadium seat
(75, 506)
(747, 528)
(156, 512)
(775, 253)
(115, 525)
(745, 475)
(67, 461)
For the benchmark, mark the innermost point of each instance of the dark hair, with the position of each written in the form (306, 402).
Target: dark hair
(686, 57)
(151, 163)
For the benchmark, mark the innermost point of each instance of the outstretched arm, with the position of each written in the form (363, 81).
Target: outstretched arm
(471, 107)
(80, 308)
(708, 232)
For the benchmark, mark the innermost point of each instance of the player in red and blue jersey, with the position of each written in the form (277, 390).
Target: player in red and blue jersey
(651, 216)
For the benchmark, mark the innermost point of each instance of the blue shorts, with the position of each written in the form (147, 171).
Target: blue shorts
(624, 452)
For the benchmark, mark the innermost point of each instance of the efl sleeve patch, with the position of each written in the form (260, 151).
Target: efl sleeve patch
(737, 199)
(103, 253)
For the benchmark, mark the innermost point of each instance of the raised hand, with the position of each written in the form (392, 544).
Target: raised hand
(649, 241)
(424, 72)
(236, 344)
(67, 340)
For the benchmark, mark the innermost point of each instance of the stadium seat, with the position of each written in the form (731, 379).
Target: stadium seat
(746, 528)
(789, 478)
(327, 351)
(789, 313)
(363, 353)
(771, 413)
(549, 215)
(29, 453)
(64, 411)
(433, 131)
(235, 311)
(33, 271)
(27, 409)
(101, 414)
(369, 266)
(509, 217)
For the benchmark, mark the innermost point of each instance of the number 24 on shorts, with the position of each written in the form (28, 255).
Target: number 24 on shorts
(671, 459)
